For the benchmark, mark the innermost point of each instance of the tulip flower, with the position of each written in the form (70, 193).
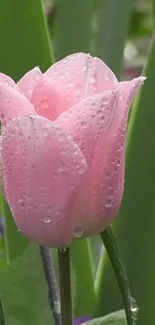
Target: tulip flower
(63, 148)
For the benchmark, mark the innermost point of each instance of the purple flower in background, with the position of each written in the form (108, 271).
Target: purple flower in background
(80, 320)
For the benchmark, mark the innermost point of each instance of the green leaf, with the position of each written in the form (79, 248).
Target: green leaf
(24, 38)
(111, 31)
(117, 318)
(84, 294)
(15, 242)
(24, 44)
(73, 27)
(23, 291)
(135, 225)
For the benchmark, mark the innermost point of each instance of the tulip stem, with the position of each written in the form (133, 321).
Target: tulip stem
(65, 286)
(49, 272)
(2, 320)
(112, 249)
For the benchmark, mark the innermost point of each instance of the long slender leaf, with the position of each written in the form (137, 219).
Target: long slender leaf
(112, 26)
(24, 38)
(73, 27)
(135, 225)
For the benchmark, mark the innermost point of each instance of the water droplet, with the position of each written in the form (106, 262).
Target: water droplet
(78, 231)
(107, 175)
(134, 310)
(92, 80)
(58, 213)
(83, 124)
(36, 102)
(110, 197)
(58, 131)
(62, 250)
(63, 151)
(42, 205)
(20, 135)
(77, 90)
(47, 220)
(61, 138)
(50, 208)
(54, 175)
(70, 84)
(44, 104)
(73, 187)
(75, 152)
(61, 169)
(57, 306)
(84, 68)
(81, 171)
(108, 205)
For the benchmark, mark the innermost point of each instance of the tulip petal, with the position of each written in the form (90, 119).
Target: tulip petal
(13, 104)
(130, 88)
(106, 152)
(29, 81)
(109, 162)
(42, 171)
(88, 123)
(68, 81)
(4, 79)
(87, 120)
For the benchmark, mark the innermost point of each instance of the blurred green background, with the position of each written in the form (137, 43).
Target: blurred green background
(139, 29)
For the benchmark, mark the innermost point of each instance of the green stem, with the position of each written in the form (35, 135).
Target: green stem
(2, 321)
(84, 300)
(51, 283)
(65, 286)
(116, 261)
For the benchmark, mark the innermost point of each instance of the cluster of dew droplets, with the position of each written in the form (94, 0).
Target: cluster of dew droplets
(134, 310)
(112, 176)
(69, 163)
(65, 76)
(65, 152)
(89, 77)
(77, 77)
(90, 117)
(110, 171)
(8, 153)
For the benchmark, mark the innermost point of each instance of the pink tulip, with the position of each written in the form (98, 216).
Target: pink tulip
(62, 148)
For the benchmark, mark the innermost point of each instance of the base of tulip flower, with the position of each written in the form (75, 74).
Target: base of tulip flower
(65, 286)
(50, 277)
